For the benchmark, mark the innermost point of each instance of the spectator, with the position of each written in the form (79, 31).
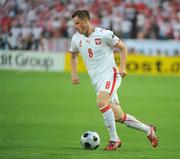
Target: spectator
(159, 19)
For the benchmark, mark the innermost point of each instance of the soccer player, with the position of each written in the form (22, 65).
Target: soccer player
(96, 47)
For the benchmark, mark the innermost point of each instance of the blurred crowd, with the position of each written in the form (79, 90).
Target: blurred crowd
(27, 24)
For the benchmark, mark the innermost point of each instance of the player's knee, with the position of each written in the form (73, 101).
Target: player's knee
(102, 101)
(101, 104)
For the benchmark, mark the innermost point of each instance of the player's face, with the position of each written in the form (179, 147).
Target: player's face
(80, 25)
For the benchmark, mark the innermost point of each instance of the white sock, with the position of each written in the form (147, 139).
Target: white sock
(132, 122)
(109, 121)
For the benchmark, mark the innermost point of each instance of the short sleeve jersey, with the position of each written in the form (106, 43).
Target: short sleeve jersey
(96, 51)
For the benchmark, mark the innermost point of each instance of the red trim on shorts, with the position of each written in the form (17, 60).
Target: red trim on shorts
(114, 81)
(105, 109)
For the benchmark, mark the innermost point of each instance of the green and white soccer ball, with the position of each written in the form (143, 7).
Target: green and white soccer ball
(90, 140)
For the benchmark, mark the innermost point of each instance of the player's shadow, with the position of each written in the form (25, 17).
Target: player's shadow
(74, 148)
(71, 148)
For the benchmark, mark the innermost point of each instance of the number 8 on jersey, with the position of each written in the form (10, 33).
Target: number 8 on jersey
(90, 52)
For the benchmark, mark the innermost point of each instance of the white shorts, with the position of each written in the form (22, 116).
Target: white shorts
(109, 83)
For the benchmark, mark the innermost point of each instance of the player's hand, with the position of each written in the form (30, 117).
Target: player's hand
(75, 79)
(122, 73)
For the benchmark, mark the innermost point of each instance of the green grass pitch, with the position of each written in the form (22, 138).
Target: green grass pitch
(42, 116)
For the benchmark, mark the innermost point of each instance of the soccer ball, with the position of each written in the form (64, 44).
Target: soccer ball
(90, 140)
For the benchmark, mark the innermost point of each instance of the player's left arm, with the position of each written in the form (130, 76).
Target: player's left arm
(123, 47)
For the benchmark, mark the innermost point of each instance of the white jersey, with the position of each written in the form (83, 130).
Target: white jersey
(96, 51)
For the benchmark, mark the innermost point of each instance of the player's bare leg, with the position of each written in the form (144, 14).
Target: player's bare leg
(132, 122)
(109, 119)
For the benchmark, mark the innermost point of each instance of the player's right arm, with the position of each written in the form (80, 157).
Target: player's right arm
(74, 60)
(74, 74)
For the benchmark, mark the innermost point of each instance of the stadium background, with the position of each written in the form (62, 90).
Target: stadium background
(42, 115)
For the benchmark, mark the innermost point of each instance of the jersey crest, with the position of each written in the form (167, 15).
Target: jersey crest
(98, 41)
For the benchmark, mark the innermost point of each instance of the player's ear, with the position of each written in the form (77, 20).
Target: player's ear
(86, 20)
